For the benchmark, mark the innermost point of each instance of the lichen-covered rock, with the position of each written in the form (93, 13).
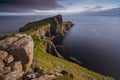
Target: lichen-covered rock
(9, 59)
(3, 54)
(1, 66)
(22, 50)
(15, 75)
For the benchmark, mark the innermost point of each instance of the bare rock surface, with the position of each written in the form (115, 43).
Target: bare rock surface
(3, 54)
(14, 75)
(20, 48)
(5, 43)
(9, 59)
(1, 66)
(17, 65)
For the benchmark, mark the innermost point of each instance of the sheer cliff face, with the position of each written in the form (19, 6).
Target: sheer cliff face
(53, 28)
(43, 31)
(48, 27)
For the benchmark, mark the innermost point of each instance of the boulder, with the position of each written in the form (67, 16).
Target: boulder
(9, 59)
(22, 50)
(2, 65)
(3, 54)
(15, 75)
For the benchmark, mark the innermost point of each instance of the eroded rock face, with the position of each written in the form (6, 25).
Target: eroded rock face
(22, 50)
(19, 48)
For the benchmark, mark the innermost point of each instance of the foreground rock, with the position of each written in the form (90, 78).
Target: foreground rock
(22, 50)
(16, 55)
(20, 47)
(13, 75)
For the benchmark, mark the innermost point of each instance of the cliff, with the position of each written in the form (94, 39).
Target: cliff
(26, 55)
(47, 27)
(51, 28)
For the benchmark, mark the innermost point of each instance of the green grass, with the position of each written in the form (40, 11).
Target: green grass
(50, 64)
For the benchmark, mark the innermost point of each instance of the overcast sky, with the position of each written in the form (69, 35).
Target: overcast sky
(37, 6)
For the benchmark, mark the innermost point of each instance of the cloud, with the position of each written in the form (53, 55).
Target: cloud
(96, 8)
(16, 5)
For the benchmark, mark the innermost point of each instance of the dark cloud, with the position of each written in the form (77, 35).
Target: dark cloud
(18, 5)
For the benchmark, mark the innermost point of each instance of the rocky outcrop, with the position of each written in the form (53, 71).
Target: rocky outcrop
(20, 47)
(16, 55)
(68, 25)
(52, 26)
(22, 50)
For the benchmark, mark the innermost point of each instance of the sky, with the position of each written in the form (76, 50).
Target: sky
(54, 6)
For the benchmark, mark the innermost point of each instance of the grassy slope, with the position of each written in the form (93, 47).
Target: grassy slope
(50, 64)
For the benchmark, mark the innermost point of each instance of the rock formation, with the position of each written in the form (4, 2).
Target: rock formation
(16, 55)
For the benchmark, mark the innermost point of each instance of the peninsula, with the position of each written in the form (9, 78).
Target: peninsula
(31, 54)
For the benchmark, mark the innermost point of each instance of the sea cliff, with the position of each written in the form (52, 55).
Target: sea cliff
(31, 54)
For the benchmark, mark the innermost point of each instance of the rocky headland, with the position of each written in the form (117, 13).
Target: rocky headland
(31, 54)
